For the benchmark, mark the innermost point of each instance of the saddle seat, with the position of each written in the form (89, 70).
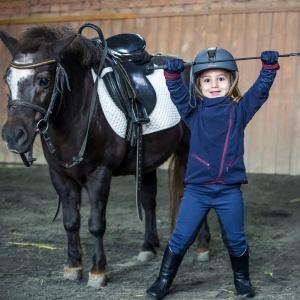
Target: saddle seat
(129, 47)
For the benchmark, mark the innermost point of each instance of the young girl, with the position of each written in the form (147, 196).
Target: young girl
(215, 168)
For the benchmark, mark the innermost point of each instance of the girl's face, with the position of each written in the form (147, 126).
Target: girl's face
(214, 83)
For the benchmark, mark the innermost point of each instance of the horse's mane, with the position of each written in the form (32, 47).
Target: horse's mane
(81, 48)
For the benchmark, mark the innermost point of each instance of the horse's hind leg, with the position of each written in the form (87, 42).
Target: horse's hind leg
(203, 238)
(70, 196)
(151, 241)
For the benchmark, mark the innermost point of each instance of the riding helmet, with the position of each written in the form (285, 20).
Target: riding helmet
(214, 58)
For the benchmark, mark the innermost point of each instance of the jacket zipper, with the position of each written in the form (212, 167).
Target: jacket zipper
(201, 160)
(226, 143)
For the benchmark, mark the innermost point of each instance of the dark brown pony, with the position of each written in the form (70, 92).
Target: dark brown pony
(51, 93)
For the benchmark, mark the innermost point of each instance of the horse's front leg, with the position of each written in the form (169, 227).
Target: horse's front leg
(69, 192)
(151, 240)
(98, 187)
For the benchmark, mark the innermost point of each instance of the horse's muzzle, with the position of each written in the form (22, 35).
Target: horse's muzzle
(16, 139)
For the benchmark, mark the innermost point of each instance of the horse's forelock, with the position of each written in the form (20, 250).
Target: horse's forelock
(32, 38)
(35, 35)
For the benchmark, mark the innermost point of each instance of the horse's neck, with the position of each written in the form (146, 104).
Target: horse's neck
(74, 107)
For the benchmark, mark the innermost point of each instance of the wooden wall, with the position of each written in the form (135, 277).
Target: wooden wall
(273, 136)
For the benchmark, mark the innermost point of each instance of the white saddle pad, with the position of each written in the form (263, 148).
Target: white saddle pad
(164, 115)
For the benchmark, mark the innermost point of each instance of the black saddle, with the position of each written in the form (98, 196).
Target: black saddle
(125, 71)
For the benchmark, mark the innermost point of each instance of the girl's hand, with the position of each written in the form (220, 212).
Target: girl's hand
(174, 66)
(270, 60)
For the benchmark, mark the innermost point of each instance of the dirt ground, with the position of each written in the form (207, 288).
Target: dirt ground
(33, 249)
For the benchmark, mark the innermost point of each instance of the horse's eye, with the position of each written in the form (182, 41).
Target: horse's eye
(44, 82)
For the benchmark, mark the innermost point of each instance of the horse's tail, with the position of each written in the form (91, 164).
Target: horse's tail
(177, 168)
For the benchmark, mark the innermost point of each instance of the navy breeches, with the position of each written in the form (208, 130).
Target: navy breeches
(228, 203)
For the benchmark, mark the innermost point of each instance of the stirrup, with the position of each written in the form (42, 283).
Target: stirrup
(139, 113)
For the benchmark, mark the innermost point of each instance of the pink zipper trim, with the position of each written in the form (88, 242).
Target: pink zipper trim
(226, 143)
(233, 161)
(201, 160)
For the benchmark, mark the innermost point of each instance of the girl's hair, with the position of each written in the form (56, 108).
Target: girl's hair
(233, 92)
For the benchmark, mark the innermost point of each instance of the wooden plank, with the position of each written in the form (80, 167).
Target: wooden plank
(59, 19)
(199, 33)
(157, 14)
(250, 49)
(175, 35)
(129, 26)
(263, 128)
(291, 92)
(162, 40)
(288, 80)
(212, 29)
(222, 11)
(151, 31)
(188, 39)
(225, 35)
(255, 132)
(5, 57)
(277, 43)
(237, 36)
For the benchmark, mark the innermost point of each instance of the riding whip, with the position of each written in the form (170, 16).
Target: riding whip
(211, 54)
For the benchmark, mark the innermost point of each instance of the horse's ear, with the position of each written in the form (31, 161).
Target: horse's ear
(61, 45)
(9, 41)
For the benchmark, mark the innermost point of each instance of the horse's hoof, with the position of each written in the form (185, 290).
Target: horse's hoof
(203, 253)
(97, 281)
(73, 274)
(145, 256)
(203, 256)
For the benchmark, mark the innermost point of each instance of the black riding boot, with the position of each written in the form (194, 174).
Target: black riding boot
(168, 270)
(240, 267)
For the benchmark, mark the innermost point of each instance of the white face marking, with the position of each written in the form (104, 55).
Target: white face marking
(18, 75)
(24, 59)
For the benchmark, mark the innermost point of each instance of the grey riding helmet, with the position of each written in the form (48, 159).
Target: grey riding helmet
(214, 58)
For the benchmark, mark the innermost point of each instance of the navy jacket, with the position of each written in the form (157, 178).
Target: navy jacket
(217, 130)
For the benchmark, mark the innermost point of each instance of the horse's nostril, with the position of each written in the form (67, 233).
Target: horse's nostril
(19, 133)
(20, 136)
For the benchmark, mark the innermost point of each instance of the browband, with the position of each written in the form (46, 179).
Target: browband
(33, 65)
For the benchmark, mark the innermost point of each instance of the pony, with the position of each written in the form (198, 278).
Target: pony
(57, 89)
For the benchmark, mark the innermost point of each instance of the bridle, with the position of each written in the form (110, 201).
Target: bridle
(15, 103)
(61, 78)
